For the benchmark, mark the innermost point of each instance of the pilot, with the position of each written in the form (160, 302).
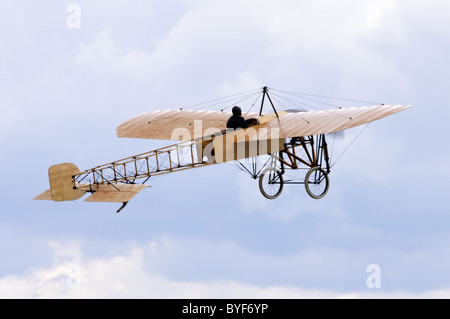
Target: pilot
(236, 120)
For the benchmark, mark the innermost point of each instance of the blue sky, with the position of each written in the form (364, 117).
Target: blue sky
(208, 232)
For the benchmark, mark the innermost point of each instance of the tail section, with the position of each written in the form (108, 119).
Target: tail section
(61, 184)
(64, 188)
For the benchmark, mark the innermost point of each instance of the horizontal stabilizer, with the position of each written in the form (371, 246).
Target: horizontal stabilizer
(47, 195)
(116, 193)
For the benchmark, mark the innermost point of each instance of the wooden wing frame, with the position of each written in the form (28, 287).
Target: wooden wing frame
(184, 125)
(298, 124)
(181, 125)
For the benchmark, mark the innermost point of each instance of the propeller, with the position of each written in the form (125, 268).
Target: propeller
(339, 135)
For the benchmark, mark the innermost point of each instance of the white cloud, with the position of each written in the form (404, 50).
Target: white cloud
(125, 276)
(233, 45)
(245, 81)
(104, 55)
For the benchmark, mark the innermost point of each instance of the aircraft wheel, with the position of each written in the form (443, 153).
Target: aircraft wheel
(317, 183)
(271, 183)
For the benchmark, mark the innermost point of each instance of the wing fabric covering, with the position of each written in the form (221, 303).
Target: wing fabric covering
(117, 193)
(189, 124)
(329, 121)
(183, 125)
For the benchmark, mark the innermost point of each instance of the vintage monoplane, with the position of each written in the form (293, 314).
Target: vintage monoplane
(289, 139)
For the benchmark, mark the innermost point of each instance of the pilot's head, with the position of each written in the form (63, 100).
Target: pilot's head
(237, 111)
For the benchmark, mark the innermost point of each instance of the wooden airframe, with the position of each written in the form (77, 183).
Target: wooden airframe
(204, 140)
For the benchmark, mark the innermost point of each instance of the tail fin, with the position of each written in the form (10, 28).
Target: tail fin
(63, 188)
(61, 183)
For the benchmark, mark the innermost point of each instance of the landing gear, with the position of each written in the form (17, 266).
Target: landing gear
(308, 153)
(316, 183)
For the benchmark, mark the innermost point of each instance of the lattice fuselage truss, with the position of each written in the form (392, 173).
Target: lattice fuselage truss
(165, 160)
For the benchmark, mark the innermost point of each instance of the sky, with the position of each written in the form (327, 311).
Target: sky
(72, 71)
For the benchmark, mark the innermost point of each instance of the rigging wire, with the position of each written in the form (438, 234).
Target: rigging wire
(313, 100)
(286, 109)
(230, 101)
(239, 101)
(351, 143)
(314, 107)
(248, 111)
(326, 97)
(293, 102)
(221, 100)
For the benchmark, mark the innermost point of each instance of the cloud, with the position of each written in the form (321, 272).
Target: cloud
(125, 275)
(244, 81)
(227, 49)
(104, 55)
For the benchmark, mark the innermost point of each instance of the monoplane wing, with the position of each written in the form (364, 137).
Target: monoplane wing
(295, 124)
(180, 125)
(186, 125)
